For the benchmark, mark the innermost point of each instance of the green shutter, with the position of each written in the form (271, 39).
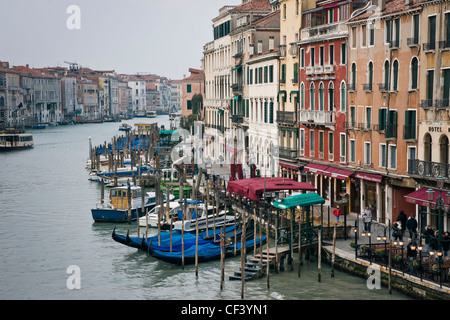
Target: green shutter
(283, 72)
(271, 112)
(414, 72)
(265, 111)
(270, 74)
(395, 82)
(430, 84)
(381, 119)
(416, 29)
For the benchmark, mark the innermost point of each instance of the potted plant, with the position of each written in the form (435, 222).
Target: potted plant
(379, 253)
(397, 258)
(353, 245)
(417, 265)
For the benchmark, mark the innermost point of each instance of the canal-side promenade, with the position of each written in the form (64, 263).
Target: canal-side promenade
(366, 266)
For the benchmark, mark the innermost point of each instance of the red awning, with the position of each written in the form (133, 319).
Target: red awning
(419, 197)
(315, 168)
(289, 166)
(369, 176)
(337, 173)
(253, 187)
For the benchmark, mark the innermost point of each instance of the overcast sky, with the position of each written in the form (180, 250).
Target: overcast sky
(163, 37)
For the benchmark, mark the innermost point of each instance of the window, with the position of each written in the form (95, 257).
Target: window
(368, 117)
(391, 125)
(343, 97)
(353, 83)
(414, 72)
(189, 104)
(342, 148)
(271, 112)
(395, 76)
(411, 154)
(265, 111)
(321, 96)
(431, 33)
(297, 7)
(387, 37)
(188, 88)
(283, 73)
(271, 73)
(331, 96)
(446, 93)
(251, 76)
(382, 119)
(266, 75)
(331, 54)
(260, 75)
(343, 53)
(410, 124)
(447, 31)
(367, 159)
(382, 155)
(321, 55)
(302, 58)
(396, 35)
(430, 85)
(311, 96)
(295, 80)
(371, 34)
(313, 56)
(415, 31)
(386, 75)
(302, 139)
(392, 157)
(311, 142)
(321, 142)
(363, 36)
(353, 37)
(330, 142)
(302, 96)
(352, 116)
(352, 151)
(284, 11)
(370, 76)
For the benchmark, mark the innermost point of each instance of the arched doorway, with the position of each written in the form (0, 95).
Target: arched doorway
(443, 149)
(427, 147)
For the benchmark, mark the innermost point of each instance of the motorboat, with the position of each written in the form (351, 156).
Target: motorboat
(13, 139)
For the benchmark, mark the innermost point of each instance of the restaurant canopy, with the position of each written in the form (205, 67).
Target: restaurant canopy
(419, 197)
(302, 200)
(252, 188)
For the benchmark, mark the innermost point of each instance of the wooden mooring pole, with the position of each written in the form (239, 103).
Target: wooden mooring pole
(334, 250)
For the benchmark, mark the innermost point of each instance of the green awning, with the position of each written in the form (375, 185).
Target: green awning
(281, 92)
(219, 111)
(167, 131)
(302, 200)
(290, 96)
(236, 97)
(236, 68)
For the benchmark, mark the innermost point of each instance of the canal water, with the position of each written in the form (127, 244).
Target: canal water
(46, 229)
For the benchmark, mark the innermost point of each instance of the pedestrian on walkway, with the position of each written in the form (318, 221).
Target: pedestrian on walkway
(397, 232)
(367, 218)
(411, 225)
(428, 234)
(402, 218)
(411, 254)
(446, 243)
(337, 212)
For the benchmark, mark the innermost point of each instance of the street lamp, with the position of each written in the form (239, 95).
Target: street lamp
(355, 231)
(440, 206)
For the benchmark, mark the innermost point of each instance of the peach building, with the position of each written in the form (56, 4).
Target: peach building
(192, 85)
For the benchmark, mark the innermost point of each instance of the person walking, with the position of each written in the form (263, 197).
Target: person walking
(337, 212)
(397, 232)
(367, 218)
(428, 234)
(411, 254)
(411, 225)
(402, 219)
(445, 243)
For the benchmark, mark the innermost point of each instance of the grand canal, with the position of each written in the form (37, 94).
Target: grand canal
(45, 201)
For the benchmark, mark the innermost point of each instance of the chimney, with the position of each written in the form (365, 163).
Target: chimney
(260, 46)
(271, 43)
(382, 5)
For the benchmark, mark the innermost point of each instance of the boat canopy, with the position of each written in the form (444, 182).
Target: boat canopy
(252, 188)
(302, 200)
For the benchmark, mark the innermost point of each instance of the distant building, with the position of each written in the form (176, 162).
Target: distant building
(192, 85)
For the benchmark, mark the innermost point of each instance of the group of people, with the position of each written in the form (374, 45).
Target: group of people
(404, 224)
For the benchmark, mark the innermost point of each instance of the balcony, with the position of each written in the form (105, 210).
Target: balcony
(383, 87)
(294, 80)
(237, 118)
(328, 68)
(363, 126)
(318, 117)
(293, 49)
(444, 44)
(428, 168)
(442, 103)
(287, 153)
(286, 117)
(394, 44)
(429, 46)
(282, 50)
(309, 71)
(413, 42)
(351, 87)
(237, 87)
(427, 103)
(318, 69)
(367, 87)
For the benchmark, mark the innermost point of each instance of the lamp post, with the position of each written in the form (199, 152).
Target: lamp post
(440, 206)
(419, 249)
(355, 231)
(384, 238)
(369, 236)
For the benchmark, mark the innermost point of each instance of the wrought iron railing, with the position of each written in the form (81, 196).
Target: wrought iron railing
(428, 168)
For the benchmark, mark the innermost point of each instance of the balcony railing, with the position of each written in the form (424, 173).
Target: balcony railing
(394, 44)
(328, 68)
(237, 118)
(320, 117)
(442, 103)
(427, 103)
(287, 153)
(383, 87)
(367, 87)
(412, 42)
(282, 50)
(429, 46)
(351, 87)
(286, 117)
(444, 44)
(428, 168)
(236, 87)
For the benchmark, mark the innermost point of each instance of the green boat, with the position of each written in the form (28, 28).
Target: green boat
(170, 178)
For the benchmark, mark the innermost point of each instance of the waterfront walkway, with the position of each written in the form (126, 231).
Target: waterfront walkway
(428, 282)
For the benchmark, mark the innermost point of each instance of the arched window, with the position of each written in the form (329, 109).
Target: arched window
(395, 76)
(386, 75)
(414, 72)
(311, 96)
(2, 101)
(343, 106)
(353, 76)
(331, 96)
(321, 97)
(370, 76)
